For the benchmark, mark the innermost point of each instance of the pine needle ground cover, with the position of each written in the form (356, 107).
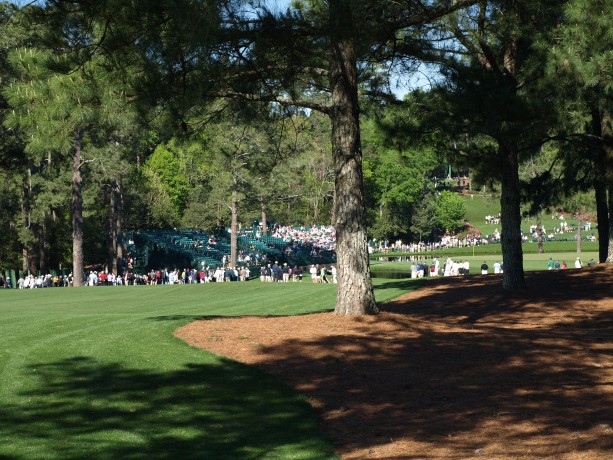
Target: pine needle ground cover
(459, 369)
(96, 372)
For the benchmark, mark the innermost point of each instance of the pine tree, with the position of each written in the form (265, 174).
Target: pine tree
(55, 106)
(493, 103)
(313, 57)
(338, 38)
(581, 64)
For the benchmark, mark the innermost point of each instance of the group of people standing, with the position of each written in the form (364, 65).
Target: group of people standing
(450, 267)
(277, 273)
(320, 274)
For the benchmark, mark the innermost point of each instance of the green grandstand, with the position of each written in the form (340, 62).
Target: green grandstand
(194, 248)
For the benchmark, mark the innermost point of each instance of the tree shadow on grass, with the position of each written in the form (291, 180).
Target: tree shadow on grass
(83, 408)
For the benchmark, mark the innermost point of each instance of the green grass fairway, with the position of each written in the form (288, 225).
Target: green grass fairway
(96, 373)
(479, 205)
(532, 261)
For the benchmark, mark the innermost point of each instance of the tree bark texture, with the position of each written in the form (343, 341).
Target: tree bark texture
(264, 219)
(120, 243)
(111, 242)
(233, 230)
(355, 294)
(607, 145)
(600, 188)
(579, 224)
(508, 156)
(539, 232)
(77, 213)
(25, 211)
(30, 259)
(42, 250)
(510, 215)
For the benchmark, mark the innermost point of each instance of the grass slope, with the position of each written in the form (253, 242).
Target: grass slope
(532, 262)
(479, 205)
(96, 372)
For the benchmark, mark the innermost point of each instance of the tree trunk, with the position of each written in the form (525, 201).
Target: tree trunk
(578, 234)
(600, 191)
(607, 146)
(28, 261)
(25, 222)
(264, 218)
(42, 253)
(316, 210)
(77, 213)
(333, 217)
(510, 215)
(120, 237)
(600, 187)
(34, 249)
(111, 237)
(354, 292)
(510, 212)
(539, 232)
(233, 230)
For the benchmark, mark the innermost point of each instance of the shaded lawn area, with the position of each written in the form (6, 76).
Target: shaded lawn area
(96, 372)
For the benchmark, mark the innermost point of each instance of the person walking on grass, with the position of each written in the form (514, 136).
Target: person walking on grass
(484, 268)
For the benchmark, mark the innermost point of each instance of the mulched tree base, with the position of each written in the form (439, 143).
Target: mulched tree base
(458, 369)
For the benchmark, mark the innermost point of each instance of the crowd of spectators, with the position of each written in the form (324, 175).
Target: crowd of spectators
(317, 236)
(477, 239)
(163, 276)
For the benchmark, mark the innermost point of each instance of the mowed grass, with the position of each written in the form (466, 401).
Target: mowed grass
(96, 372)
(479, 205)
(532, 261)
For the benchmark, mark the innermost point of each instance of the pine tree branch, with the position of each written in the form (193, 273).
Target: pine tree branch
(83, 162)
(430, 14)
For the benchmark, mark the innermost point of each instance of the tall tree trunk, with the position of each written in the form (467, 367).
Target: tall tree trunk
(510, 212)
(316, 210)
(607, 146)
(333, 216)
(510, 215)
(111, 237)
(29, 257)
(120, 237)
(600, 188)
(25, 221)
(34, 250)
(42, 252)
(77, 213)
(264, 218)
(24, 260)
(354, 292)
(578, 235)
(539, 232)
(233, 229)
